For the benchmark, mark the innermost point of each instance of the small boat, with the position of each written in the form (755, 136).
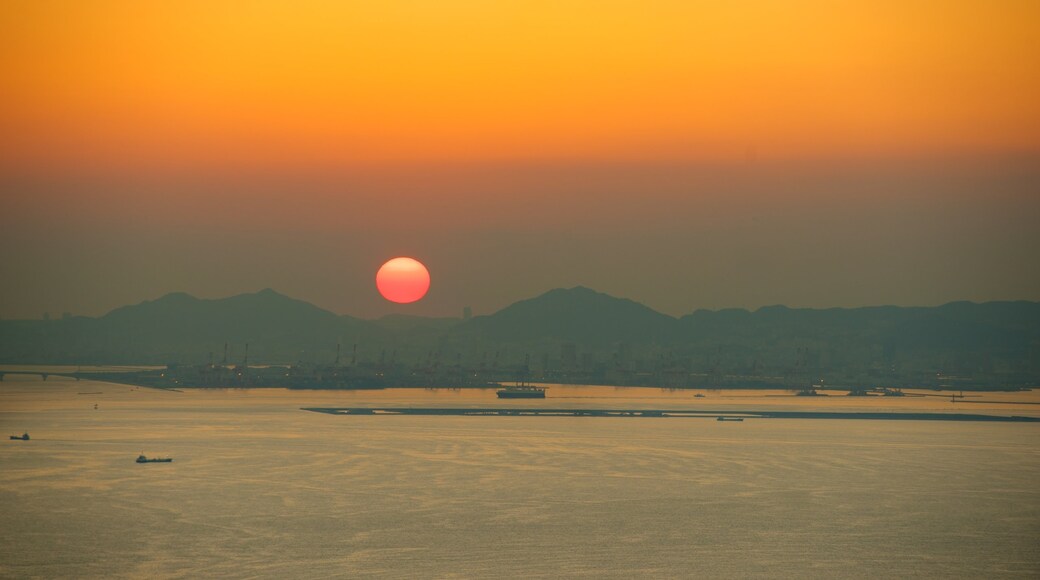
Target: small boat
(142, 459)
(521, 391)
(721, 418)
(22, 437)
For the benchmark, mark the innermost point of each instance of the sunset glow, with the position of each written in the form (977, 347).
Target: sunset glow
(227, 84)
(523, 145)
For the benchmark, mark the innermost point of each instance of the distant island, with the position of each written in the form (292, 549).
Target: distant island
(574, 335)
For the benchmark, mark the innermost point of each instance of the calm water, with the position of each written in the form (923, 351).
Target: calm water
(261, 488)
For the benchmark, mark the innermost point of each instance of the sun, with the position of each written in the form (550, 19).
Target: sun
(403, 280)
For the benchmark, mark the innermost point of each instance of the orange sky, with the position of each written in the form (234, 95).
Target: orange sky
(684, 154)
(327, 83)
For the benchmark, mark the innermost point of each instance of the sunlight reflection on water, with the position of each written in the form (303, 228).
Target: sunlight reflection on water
(260, 488)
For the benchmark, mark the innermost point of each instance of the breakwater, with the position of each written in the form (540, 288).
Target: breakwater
(662, 413)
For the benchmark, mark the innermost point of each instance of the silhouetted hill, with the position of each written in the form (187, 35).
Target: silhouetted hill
(883, 344)
(180, 328)
(578, 315)
(966, 326)
(265, 313)
(958, 325)
(574, 330)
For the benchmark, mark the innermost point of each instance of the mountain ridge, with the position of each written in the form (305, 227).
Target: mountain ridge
(1001, 338)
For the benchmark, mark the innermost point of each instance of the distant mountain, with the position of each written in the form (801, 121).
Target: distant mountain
(180, 328)
(575, 330)
(966, 326)
(577, 315)
(952, 327)
(994, 342)
(265, 313)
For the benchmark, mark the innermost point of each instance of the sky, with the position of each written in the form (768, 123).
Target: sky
(682, 154)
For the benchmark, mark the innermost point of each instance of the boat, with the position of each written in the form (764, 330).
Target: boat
(142, 459)
(22, 437)
(721, 418)
(521, 391)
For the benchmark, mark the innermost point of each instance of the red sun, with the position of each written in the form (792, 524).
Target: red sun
(403, 280)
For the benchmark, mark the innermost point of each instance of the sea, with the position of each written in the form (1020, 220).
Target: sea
(260, 488)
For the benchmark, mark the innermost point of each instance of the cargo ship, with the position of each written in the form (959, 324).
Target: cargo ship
(521, 390)
(142, 459)
(22, 437)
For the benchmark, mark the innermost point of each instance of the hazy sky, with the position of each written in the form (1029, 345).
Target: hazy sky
(682, 154)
